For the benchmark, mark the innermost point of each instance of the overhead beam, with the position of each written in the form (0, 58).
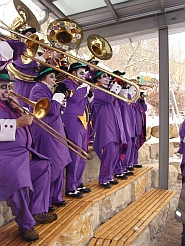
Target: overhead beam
(111, 9)
(43, 4)
(134, 28)
(162, 5)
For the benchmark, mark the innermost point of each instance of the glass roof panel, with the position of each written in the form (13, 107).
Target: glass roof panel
(118, 1)
(70, 7)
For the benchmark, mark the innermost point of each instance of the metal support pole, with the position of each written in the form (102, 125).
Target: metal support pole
(163, 108)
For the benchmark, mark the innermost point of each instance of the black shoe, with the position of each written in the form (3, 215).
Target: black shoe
(60, 204)
(138, 166)
(128, 173)
(30, 234)
(130, 168)
(121, 176)
(106, 185)
(74, 194)
(83, 189)
(113, 182)
(51, 209)
(45, 218)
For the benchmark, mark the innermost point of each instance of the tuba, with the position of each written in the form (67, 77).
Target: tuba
(26, 15)
(64, 34)
(99, 47)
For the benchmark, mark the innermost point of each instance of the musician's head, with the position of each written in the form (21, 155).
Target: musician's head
(94, 62)
(28, 31)
(46, 75)
(78, 69)
(101, 78)
(4, 85)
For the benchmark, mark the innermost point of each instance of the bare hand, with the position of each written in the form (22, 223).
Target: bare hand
(14, 103)
(24, 120)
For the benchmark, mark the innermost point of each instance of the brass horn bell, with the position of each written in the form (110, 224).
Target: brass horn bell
(99, 47)
(64, 34)
(40, 108)
(26, 14)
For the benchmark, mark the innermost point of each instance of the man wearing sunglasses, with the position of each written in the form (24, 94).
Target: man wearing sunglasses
(24, 174)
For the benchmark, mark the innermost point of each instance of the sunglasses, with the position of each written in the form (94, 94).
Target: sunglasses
(5, 87)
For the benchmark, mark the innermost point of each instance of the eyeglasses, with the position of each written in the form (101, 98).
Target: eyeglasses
(5, 87)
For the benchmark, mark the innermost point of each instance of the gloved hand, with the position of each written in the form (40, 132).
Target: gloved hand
(123, 93)
(61, 88)
(132, 91)
(116, 88)
(59, 97)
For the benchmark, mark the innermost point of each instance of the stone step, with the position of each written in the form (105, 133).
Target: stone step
(77, 221)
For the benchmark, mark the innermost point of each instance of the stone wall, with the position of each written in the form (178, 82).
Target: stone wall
(148, 154)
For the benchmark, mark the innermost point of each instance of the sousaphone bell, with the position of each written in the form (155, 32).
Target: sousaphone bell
(99, 47)
(64, 34)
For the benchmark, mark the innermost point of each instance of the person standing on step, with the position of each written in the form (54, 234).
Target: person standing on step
(75, 119)
(110, 141)
(23, 86)
(140, 108)
(44, 142)
(180, 211)
(24, 173)
(123, 168)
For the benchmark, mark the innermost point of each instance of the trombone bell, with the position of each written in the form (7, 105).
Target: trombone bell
(40, 108)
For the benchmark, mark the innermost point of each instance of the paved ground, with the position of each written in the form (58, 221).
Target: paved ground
(171, 235)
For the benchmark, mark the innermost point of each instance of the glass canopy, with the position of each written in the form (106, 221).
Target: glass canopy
(69, 8)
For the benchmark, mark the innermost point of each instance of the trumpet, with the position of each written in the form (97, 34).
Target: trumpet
(85, 62)
(40, 110)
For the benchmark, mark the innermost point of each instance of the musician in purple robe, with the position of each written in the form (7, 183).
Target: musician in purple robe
(44, 142)
(110, 141)
(23, 87)
(123, 168)
(182, 149)
(24, 174)
(91, 70)
(140, 108)
(75, 119)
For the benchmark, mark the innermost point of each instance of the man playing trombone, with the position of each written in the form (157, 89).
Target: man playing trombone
(24, 174)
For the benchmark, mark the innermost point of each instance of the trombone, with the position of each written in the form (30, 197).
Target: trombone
(73, 76)
(40, 109)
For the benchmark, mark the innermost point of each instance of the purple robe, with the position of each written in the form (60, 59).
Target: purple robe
(15, 158)
(42, 140)
(181, 149)
(76, 105)
(22, 87)
(107, 121)
(129, 124)
(110, 141)
(90, 75)
(140, 114)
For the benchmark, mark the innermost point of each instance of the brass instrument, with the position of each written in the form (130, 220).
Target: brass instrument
(25, 13)
(79, 79)
(99, 47)
(64, 34)
(40, 109)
